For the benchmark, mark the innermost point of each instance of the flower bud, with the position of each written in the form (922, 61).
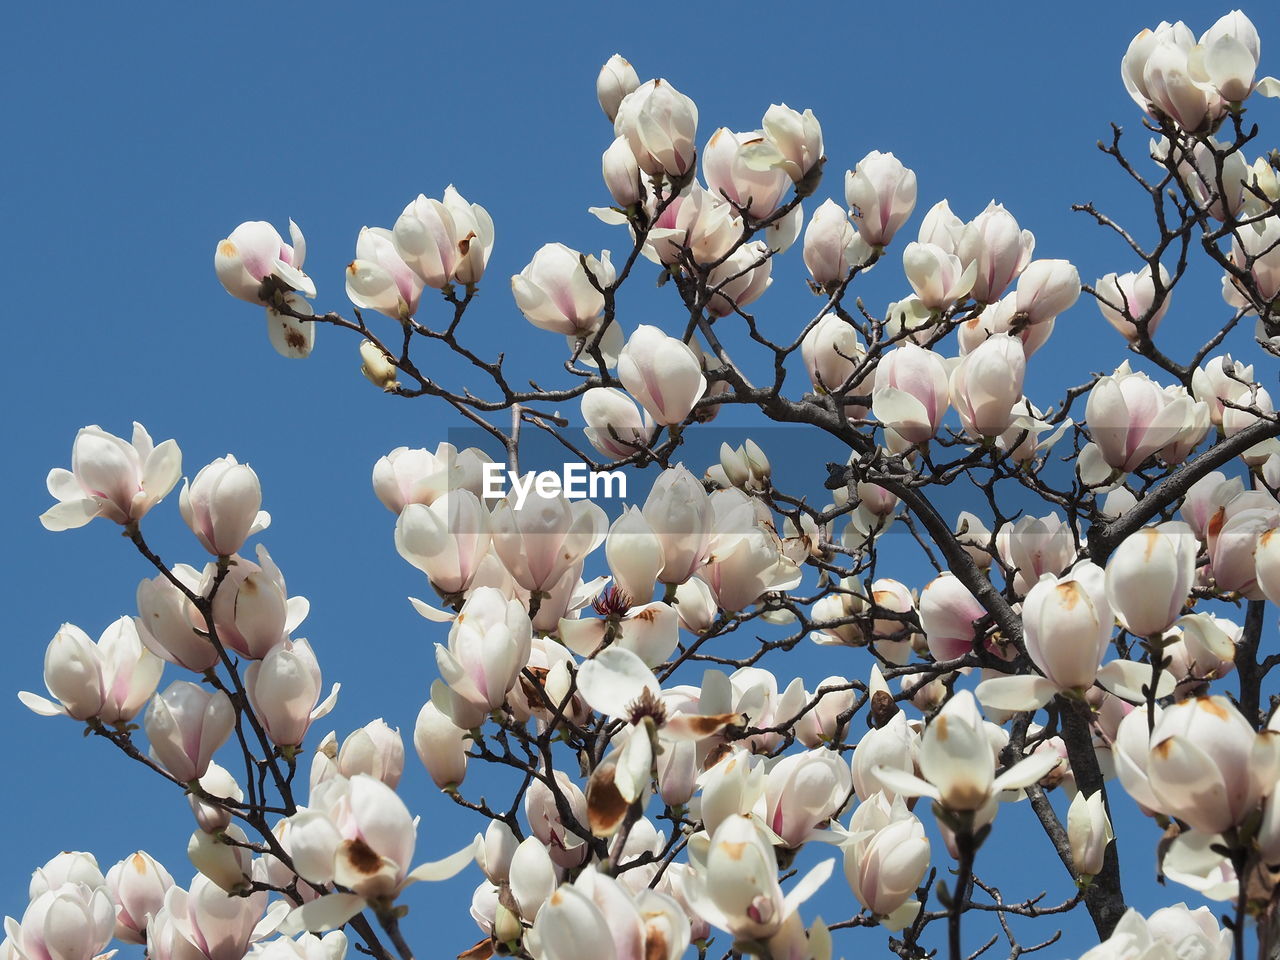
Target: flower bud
(911, 394)
(1125, 298)
(185, 725)
(987, 383)
(377, 367)
(1089, 833)
(662, 373)
(441, 747)
(222, 506)
(881, 194)
(1150, 576)
(375, 749)
(622, 174)
(1003, 253)
(617, 79)
(615, 425)
(284, 688)
(137, 884)
(556, 291)
(1046, 289)
(939, 278)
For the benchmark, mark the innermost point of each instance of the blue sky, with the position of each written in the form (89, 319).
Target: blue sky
(138, 137)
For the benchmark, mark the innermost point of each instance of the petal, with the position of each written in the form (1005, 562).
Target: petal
(615, 678)
(446, 867)
(69, 514)
(326, 913)
(1024, 692)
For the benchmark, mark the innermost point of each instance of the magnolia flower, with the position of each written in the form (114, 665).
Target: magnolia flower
(1256, 248)
(987, 383)
(938, 277)
(662, 373)
(111, 478)
(407, 476)
(660, 124)
(729, 169)
(70, 922)
(886, 854)
(109, 680)
(1126, 298)
(679, 513)
(441, 747)
(893, 745)
(1206, 765)
(1171, 932)
(357, 833)
(222, 506)
(542, 538)
(185, 726)
(1034, 546)
(284, 688)
(1003, 253)
(447, 541)
(138, 885)
(488, 646)
(617, 683)
(734, 881)
(169, 624)
(948, 612)
(1220, 380)
(622, 174)
(833, 352)
(617, 78)
(803, 791)
(255, 252)
(1088, 832)
(599, 910)
(443, 242)
(252, 609)
(881, 194)
(741, 279)
(1130, 419)
(957, 767)
(380, 279)
(558, 292)
(1150, 576)
(796, 139)
(911, 395)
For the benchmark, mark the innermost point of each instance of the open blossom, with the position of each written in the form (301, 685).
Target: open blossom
(734, 881)
(222, 506)
(443, 241)
(556, 292)
(407, 476)
(797, 139)
(109, 680)
(255, 252)
(957, 765)
(379, 279)
(70, 922)
(111, 478)
(541, 539)
(1131, 418)
(599, 910)
(1206, 765)
(356, 832)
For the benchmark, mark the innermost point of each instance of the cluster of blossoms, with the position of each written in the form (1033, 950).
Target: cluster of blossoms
(1064, 657)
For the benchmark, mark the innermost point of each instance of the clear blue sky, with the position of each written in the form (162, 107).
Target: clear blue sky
(138, 135)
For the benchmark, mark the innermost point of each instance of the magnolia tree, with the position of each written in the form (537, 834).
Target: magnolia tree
(1091, 636)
